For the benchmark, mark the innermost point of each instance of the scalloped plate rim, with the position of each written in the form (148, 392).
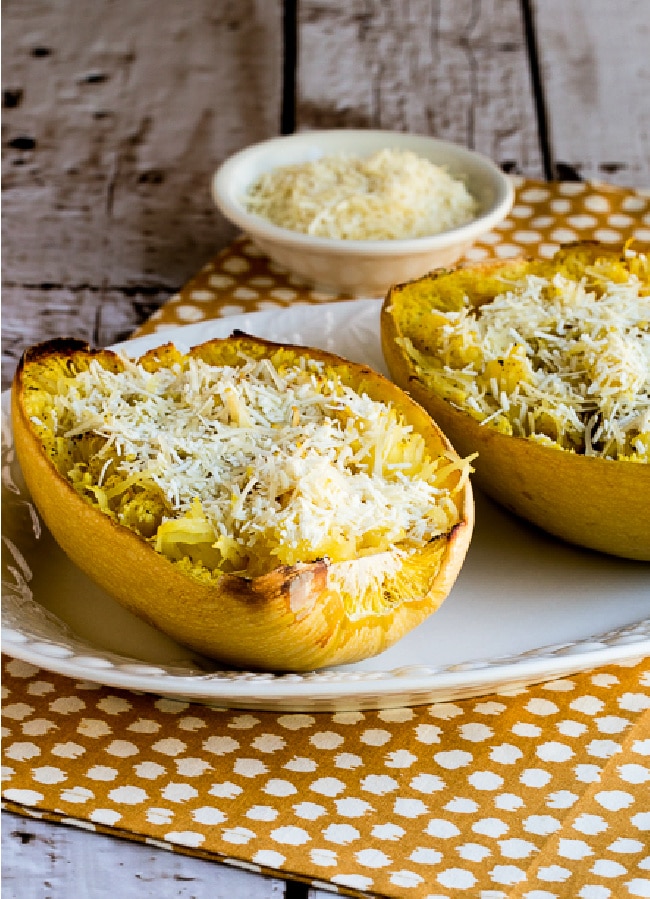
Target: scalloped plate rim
(329, 689)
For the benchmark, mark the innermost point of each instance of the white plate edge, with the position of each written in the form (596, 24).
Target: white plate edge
(545, 662)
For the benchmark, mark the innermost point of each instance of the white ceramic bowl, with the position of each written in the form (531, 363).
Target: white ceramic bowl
(360, 267)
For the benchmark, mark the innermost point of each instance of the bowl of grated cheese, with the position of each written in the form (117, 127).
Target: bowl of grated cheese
(356, 211)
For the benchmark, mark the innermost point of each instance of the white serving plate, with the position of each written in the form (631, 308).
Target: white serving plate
(526, 607)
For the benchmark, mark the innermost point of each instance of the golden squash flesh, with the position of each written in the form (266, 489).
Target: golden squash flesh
(572, 472)
(265, 601)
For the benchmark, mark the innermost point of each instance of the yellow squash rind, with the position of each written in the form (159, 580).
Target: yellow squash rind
(598, 503)
(288, 619)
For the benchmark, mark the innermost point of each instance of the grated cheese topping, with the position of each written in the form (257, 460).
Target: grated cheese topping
(390, 195)
(554, 359)
(255, 465)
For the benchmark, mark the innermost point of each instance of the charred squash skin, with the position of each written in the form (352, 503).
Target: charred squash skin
(290, 619)
(593, 502)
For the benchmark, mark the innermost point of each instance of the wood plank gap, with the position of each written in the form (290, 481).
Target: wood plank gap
(295, 889)
(538, 89)
(289, 66)
(129, 290)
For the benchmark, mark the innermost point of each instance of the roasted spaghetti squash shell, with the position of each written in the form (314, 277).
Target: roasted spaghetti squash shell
(294, 618)
(597, 503)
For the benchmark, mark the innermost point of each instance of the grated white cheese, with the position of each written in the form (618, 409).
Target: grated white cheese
(556, 360)
(286, 461)
(391, 195)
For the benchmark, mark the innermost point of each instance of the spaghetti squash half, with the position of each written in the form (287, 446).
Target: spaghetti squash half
(270, 506)
(542, 367)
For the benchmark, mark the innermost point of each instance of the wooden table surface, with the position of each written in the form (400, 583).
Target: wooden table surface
(114, 119)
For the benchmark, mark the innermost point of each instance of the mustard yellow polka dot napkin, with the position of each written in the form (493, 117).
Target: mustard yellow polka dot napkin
(535, 793)
(544, 215)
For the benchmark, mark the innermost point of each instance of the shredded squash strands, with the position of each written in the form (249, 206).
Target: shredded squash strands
(391, 195)
(553, 359)
(242, 469)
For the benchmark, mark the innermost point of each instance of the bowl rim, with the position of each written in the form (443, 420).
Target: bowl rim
(257, 226)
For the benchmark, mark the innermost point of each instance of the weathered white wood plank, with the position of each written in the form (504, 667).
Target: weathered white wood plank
(456, 69)
(115, 115)
(125, 110)
(98, 314)
(595, 64)
(57, 861)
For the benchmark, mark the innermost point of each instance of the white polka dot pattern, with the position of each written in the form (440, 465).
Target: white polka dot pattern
(241, 279)
(538, 793)
(543, 792)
